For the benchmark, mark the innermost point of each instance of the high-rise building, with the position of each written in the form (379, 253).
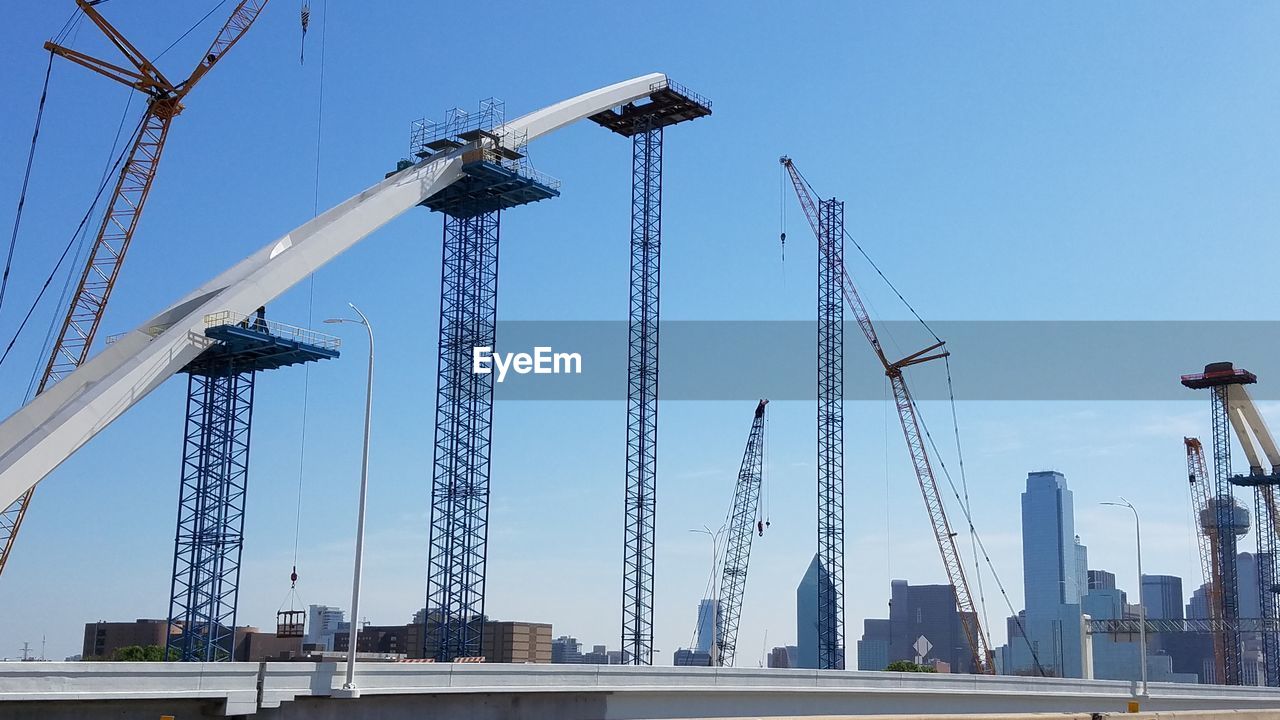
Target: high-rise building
(920, 616)
(807, 615)
(600, 655)
(873, 648)
(689, 657)
(1102, 580)
(709, 612)
(1081, 571)
(323, 621)
(1247, 566)
(1115, 657)
(1162, 597)
(1198, 604)
(1247, 571)
(1055, 578)
(1051, 555)
(782, 657)
(566, 649)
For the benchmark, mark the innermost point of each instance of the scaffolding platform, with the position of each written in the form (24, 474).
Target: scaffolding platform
(490, 183)
(1265, 480)
(669, 103)
(1218, 374)
(247, 343)
(495, 168)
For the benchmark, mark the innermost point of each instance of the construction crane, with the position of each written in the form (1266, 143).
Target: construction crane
(1202, 510)
(979, 645)
(744, 523)
(98, 279)
(1233, 410)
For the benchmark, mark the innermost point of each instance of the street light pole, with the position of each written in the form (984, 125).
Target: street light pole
(353, 635)
(1142, 606)
(715, 595)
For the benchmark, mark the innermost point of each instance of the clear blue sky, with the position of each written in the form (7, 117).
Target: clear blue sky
(1003, 161)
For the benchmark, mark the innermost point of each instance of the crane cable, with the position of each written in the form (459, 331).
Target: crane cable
(26, 180)
(311, 297)
(65, 251)
(782, 230)
(964, 486)
(71, 25)
(191, 29)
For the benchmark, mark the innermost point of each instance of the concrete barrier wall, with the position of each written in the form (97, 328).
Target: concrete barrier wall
(288, 691)
(229, 688)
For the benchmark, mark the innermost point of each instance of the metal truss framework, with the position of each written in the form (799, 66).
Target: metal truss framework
(1223, 517)
(1207, 541)
(80, 324)
(211, 501)
(742, 525)
(1265, 509)
(464, 420)
(830, 435)
(642, 394)
(1129, 626)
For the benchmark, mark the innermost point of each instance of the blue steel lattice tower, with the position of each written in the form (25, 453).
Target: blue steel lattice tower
(495, 176)
(831, 435)
(205, 584)
(667, 104)
(1217, 377)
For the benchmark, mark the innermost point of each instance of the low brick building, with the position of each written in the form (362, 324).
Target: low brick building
(101, 639)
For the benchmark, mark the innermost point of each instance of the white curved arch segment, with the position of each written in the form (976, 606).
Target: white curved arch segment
(46, 431)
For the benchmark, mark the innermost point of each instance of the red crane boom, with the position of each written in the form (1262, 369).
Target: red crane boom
(83, 317)
(980, 646)
(1201, 501)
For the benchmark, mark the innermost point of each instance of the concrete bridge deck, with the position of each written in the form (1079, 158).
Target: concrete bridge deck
(286, 691)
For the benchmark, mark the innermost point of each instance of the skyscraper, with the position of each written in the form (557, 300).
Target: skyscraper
(566, 649)
(1054, 581)
(322, 622)
(873, 648)
(915, 612)
(1051, 555)
(706, 616)
(1102, 580)
(807, 615)
(1162, 596)
(1198, 604)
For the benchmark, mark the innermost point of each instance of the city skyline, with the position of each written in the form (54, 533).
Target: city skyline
(1001, 244)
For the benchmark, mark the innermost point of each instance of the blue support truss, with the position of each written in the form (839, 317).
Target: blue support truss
(210, 535)
(1265, 506)
(209, 540)
(642, 396)
(668, 103)
(496, 175)
(830, 436)
(464, 420)
(1224, 508)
